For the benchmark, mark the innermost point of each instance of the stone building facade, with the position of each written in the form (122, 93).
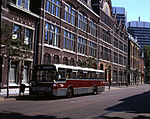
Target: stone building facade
(80, 29)
(134, 60)
(18, 18)
(71, 32)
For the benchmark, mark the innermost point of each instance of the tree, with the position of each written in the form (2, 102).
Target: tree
(91, 63)
(14, 48)
(136, 75)
(146, 50)
(126, 73)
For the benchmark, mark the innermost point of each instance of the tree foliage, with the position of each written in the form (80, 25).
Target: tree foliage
(146, 51)
(13, 47)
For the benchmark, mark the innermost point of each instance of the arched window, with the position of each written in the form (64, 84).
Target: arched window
(84, 63)
(72, 62)
(47, 58)
(56, 59)
(65, 60)
(101, 67)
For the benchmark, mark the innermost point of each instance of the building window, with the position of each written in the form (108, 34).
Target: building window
(68, 40)
(26, 73)
(106, 36)
(92, 28)
(28, 38)
(16, 32)
(121, 59)
(125, 61)
(115, 76)
(56, 59)
(106, 20)
(120, 45)
(125, 48)
(70, 14)
(52, 35)
(65, 60)
(107, 54)
(72, 62)
(82, 45)
(82, 22)
(47, 58)
(13, 72)
(53, 6)
(115, 42)
(92, 49)
(102, 52)
(115, 57)
(24, 4)
(101, 67)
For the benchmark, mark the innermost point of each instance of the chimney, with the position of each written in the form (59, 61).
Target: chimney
(139, 19)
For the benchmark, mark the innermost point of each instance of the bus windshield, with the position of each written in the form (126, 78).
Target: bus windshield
(45, 74)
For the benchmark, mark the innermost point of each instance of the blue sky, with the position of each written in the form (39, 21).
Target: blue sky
(134, 9)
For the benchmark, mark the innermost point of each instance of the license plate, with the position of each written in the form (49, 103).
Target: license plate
(46, 89)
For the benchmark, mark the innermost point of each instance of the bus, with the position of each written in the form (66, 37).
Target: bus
(64, 80)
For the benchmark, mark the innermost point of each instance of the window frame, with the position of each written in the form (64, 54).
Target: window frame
(27, 2)
(53, 7)
(69, 11)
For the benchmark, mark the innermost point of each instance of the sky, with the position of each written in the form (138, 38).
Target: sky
(134, 9)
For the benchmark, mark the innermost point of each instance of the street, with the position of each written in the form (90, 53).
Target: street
(123, 103)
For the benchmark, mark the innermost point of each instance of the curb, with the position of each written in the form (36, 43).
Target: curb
(3, 99)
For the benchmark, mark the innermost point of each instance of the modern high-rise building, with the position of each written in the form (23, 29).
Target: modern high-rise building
(141, 31)
(120, 14)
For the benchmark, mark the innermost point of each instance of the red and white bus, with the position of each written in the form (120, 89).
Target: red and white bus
(64, 80)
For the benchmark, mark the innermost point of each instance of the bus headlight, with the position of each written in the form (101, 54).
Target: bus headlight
(54, 85)
(61, 85)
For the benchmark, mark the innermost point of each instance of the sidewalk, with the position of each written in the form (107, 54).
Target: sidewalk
(12, 94)
(123, 87)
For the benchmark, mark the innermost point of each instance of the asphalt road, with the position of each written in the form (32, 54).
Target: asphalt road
(125, 103)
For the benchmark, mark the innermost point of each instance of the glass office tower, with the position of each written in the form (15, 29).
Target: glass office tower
(141, 31)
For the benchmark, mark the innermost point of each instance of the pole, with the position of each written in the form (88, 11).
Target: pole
(9, 66)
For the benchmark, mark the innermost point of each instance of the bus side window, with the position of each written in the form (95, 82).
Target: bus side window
(80, 74)
(74, 75)
(61, 74)
(68, 75)
(89, 75)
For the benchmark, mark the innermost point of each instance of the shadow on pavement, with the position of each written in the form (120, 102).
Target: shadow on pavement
(13, 115)
(141, 117)
(134, 104)
(46, 98)
(138, 117)
(106, 117)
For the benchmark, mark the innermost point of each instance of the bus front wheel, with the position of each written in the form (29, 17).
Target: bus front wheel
(69, 92)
